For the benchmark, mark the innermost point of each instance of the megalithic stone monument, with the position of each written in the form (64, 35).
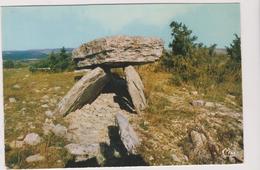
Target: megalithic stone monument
(100, 56)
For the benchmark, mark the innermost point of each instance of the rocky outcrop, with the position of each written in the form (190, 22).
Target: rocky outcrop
(92, 127)
(135, 88)
(90, 124)
(118, 51)
(198, 139)
(127, 134)
(83, 92)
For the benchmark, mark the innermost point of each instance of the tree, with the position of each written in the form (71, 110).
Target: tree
(9, 64)
(212, 49)
(63, 53)
(57, 62)
(234, 51)
(182, 42)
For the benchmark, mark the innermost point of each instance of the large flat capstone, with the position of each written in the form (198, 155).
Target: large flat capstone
(118, 51)
(83, 92)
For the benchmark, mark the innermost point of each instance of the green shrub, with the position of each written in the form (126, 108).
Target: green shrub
(200, 66)
(8, 64)
(56, 62)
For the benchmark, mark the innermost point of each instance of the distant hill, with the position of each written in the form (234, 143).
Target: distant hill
(221, 51)
(30, 54)
(36, 54)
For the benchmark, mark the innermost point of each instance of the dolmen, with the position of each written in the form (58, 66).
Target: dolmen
(99, 56)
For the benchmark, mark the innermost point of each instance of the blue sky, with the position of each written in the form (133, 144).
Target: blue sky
(38, 27)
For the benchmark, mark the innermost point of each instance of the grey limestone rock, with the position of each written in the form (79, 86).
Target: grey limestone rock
(127, 134)
(83, 92)
(135, 88)
(118, 51)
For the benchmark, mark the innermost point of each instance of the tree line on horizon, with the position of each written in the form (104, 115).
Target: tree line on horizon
(190, 59)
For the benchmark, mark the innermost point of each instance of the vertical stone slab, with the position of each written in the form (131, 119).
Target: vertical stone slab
(83, 92)
(127, 134)
(135, 88)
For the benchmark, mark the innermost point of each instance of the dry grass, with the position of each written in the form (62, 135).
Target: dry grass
(26, 115)
(166, 122)
(163, 126)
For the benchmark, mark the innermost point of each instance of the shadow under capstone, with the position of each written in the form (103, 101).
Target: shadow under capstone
(118, 86)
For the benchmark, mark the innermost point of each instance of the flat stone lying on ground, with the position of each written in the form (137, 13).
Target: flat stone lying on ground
(83, 152)
(16, 86)
(34, 158)
(90, 124)
(49, 113)
(83, 92)
(32, 139)
(118, 51)
(80, 149)
(59, 130)
(198, 102)
(135, 88)
(127, 134)
(12, 100)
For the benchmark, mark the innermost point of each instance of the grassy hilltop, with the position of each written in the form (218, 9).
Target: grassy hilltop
(186, 73)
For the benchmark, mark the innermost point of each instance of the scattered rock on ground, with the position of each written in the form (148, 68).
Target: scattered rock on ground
(12, 100)
(59, 130)
(198, 139)
(34, 158)
(209, 104)
(32, 139)
(16, 86)
(175, 158)
(44, 106)
(231, 96)
(82, 152)
(45, 97)
(23, 109)
(195, 93)
(20, 137)
(49, 113)
(198, 102)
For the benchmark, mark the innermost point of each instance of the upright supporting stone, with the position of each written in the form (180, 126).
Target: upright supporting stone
(127, 134)
(83, 92)
(135, 88)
